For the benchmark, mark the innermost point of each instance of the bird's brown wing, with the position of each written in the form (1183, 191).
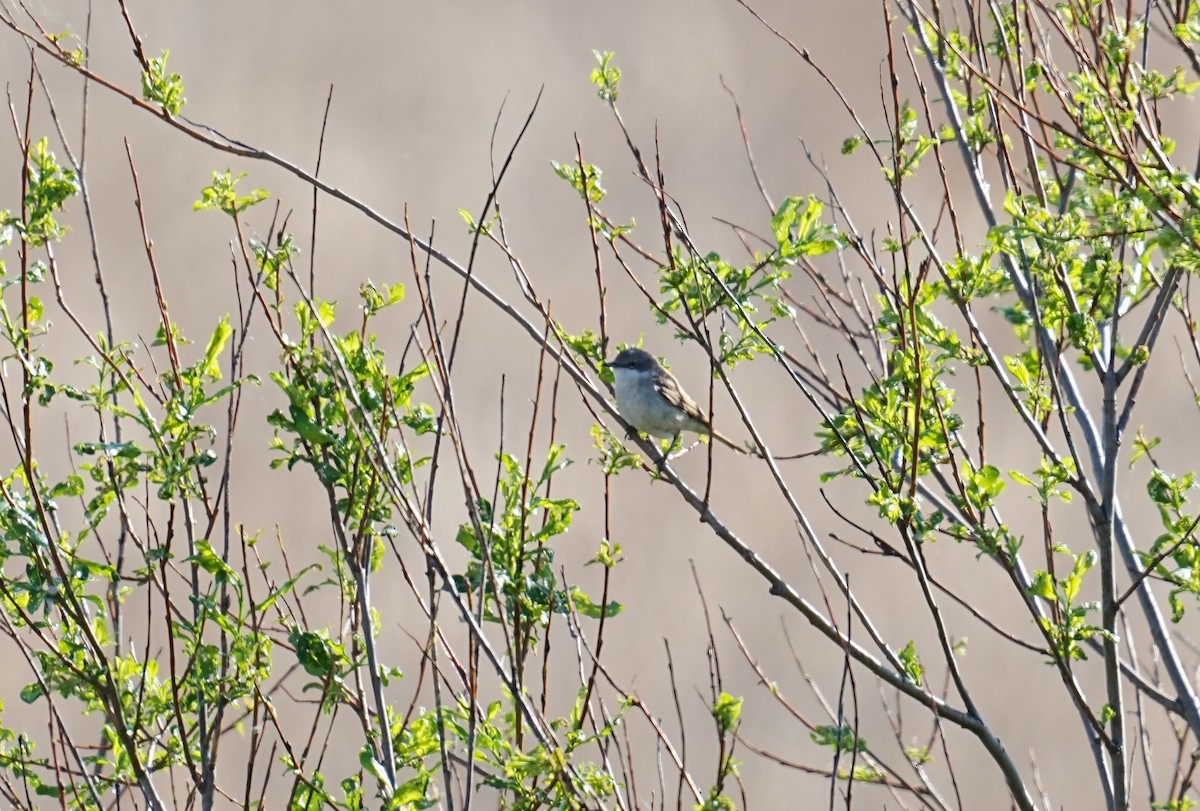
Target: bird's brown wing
(668, 388)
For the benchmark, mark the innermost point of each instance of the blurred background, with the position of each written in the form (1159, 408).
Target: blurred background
(416, 90)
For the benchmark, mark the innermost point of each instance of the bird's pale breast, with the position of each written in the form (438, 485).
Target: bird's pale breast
(642, 407)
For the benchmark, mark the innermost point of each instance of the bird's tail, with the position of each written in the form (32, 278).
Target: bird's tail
(717, 435)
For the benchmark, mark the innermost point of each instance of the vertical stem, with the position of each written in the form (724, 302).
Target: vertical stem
(1109, 607)
(362, 586)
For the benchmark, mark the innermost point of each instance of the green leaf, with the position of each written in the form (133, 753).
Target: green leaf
(1160, 487)
(163, 88)
(584, 605)
(222, 195)
(208, 560)
(798, 230)
(913, 669)
(1073, 581)
(211, 368)
(586, 182)
(1043, 586)
(841, 738)
(1084, 562)
(284, 589)
(982, 485)
(411, 792)
(1020, 478)
(606, 76)
(367, 760)
(727, 710)
(1142, 446)
(314, 652)
(308, 430)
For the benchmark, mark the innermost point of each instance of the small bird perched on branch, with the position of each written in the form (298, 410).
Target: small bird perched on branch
(651, 399)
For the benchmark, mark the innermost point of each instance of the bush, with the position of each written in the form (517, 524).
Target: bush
(970, 368)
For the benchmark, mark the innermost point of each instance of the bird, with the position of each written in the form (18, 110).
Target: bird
(651, 399)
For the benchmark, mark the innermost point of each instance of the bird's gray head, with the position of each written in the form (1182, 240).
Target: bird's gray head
(634, 359)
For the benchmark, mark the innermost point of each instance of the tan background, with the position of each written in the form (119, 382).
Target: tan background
(417, 87)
